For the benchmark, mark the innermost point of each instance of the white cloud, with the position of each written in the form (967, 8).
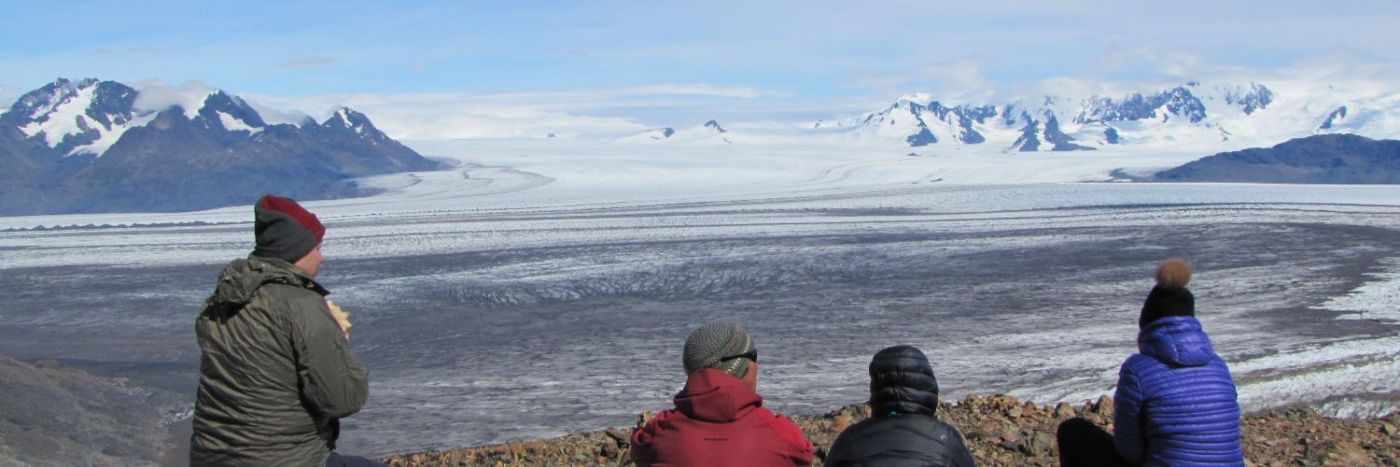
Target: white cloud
(963, 75)
(1342, 65)
(697, 90)
(949, 80)
(459, 116)
(623, 110)
(1157, 57)
(620, 96)
(513, 115)
(1072, 87)
(306, 63)
(156, 95)
(276, 115)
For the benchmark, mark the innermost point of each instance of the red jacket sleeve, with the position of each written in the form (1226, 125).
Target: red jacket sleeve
(800, 449)
(642, 450)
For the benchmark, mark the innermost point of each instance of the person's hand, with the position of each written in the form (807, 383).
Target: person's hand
(341, 317)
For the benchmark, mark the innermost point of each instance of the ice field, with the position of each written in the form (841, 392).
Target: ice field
(541, 288)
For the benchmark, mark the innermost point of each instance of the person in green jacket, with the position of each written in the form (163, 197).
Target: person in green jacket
(276, 373)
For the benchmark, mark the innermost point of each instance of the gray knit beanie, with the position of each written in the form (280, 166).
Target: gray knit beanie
(713, 345)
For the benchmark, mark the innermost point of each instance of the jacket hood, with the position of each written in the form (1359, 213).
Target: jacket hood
(1177, 341)
(712, 395)
(242, 278)
(901, 381)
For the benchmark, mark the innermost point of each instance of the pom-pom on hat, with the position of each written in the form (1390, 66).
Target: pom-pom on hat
(720, 345)
(1170, 296)
(284, 229)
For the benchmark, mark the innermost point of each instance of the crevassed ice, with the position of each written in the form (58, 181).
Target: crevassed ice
(1377, 299)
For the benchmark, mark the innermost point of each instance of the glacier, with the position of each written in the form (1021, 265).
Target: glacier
(543, 286)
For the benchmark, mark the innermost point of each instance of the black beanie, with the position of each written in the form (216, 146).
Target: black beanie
(1169, 297)
(285, 230)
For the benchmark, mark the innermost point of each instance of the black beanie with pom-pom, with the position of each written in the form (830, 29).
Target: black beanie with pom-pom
(1169, 297)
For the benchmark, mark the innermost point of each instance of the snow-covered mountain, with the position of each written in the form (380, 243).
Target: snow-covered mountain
(90, 145)
(710, 132)
(84, 117)
(1191, 113)
(87, 117)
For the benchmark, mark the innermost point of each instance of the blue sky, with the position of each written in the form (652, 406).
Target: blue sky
(658, 60)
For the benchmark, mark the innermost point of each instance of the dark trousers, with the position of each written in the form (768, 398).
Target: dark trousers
(1084, 444)
(337, 460)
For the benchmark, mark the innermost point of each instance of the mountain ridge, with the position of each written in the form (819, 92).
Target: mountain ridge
(1329, 159)
(86, 146)
(1191, 112)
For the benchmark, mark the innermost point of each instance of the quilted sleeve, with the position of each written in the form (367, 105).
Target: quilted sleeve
(1128, 433)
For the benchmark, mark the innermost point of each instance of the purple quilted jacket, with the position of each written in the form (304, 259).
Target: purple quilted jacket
(1176, 403)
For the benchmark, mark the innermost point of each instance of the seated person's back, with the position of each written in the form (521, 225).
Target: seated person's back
(902, 429)
(719, 419)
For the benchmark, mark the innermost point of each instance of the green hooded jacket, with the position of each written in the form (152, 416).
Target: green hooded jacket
(276, 372)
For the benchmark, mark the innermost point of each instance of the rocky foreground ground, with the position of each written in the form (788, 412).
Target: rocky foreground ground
(1000, 430)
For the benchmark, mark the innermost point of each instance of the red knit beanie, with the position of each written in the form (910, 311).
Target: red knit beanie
(284, 229)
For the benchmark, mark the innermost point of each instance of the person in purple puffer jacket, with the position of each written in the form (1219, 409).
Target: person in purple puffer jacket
(1176, 402)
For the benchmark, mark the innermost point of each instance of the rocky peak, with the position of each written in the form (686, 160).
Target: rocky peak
(907, 105)
(347, 120)
(89, 148)
(660, 133)
(1257, 97)
(46, 98)
(1178, 101)
(346, 117)
(103, 101)
(1029, 140)
(230, 113)
(1047, 130)
(962, 118)
(1334, 118)
(923, 137)
(68, 116)
(978, 114)
(1058, 138)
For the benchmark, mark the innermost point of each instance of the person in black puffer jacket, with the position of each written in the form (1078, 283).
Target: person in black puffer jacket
(902, 430)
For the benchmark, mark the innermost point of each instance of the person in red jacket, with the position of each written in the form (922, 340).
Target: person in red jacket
(719, 419)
